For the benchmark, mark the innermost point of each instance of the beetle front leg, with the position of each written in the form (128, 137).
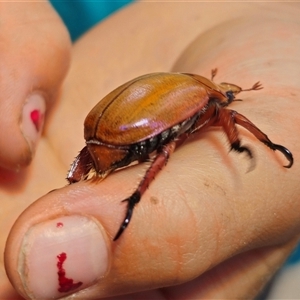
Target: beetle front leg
(226, 118)
(158, 163)
(246, 123)
(229, 118)
(218, 116)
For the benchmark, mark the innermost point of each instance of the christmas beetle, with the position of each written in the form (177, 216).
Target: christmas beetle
(147, 115)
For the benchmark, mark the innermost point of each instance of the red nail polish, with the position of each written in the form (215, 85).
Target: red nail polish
(65, 284)
(32, 119)
(37, 118)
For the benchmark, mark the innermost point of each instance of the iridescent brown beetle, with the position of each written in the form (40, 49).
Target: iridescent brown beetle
(148, 115)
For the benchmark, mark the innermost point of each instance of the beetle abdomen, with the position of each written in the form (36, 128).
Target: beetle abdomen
(145, 107)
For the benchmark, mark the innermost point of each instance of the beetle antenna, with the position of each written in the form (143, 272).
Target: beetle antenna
(256, 86)
(213, 73)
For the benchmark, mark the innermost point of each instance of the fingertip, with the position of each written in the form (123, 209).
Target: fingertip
(53, 253)
(32, 70)
(32, 120)
(19, 141)
(73, 250)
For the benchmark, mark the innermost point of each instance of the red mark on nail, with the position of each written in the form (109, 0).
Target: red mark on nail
(59, 224)
(65, 284)
(37, 118)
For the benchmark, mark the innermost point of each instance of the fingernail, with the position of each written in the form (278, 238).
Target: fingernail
(62, 256)
(33, 119)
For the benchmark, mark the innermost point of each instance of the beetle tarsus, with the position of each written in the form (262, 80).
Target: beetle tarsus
(236, 147)
(287, 153)
(132, 201)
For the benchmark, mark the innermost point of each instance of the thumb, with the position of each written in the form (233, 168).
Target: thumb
(63, 243)
(35, 56)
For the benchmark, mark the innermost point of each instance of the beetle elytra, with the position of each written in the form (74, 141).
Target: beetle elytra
(147, 115)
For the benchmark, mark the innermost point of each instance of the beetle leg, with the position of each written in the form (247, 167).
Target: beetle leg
(158, 163)
(227, 119)
(246, 123)
(81, 166)
(218, 116)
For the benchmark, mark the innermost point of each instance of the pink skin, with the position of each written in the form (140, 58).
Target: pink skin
(205, 228)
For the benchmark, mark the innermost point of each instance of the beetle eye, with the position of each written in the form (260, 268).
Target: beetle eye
(230, 96)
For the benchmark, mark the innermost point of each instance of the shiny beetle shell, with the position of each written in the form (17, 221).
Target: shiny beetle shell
(136, 111)
(147, 115)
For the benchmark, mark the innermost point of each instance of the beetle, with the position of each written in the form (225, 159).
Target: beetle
(148, 115)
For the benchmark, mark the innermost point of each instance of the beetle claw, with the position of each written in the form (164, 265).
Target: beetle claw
(287, 153)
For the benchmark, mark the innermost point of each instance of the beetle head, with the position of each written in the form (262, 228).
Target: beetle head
(230, 90)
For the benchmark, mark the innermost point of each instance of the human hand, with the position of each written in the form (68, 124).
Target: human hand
(205, 228)
(35, 56)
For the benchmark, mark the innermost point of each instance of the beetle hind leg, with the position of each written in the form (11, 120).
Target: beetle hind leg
(158, 163)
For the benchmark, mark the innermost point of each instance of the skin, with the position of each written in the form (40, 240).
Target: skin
(220, 230)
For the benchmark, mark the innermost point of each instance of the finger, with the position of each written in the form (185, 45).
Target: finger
(176, 231)
(34, 61)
